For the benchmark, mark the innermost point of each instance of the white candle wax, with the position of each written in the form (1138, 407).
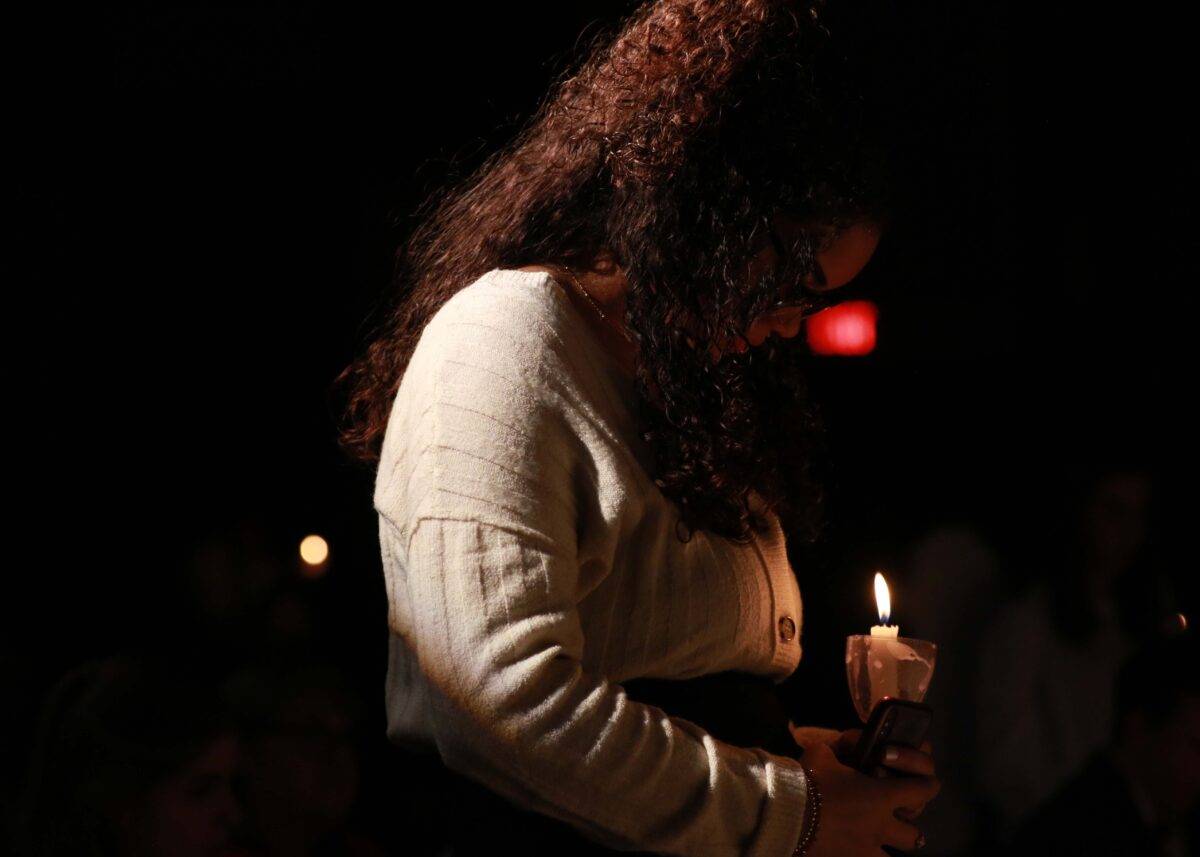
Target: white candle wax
(891, 631)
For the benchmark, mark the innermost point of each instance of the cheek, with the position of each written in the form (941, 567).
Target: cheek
(758, 331)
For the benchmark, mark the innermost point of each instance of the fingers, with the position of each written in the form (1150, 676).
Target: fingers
(820, 751)
(904, 835)
(849, 738)
(806, 735)
(909, 761)
(916, 791)
(846, 742)
(911, 793)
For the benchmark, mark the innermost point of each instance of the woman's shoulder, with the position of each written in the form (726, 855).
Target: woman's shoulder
(504, 324)
(480, 413)
(520, 322)
(496, 346)
(501, 305)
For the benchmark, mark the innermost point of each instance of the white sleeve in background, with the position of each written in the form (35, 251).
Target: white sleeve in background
(477, 504)
(1014, 771)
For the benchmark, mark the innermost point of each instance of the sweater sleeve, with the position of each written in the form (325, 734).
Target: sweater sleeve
(479, 508)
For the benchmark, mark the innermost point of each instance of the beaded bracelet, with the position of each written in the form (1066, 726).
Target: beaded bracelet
(814, 804)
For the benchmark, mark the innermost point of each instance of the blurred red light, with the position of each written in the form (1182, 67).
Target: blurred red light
(846, 330)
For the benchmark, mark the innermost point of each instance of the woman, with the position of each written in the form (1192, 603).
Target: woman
(591, 439)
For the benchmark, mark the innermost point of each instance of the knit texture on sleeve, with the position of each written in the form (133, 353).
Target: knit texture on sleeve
(481, 495)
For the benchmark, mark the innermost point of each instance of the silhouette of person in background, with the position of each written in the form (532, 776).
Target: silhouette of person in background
(1146, 785)
(952, 564)
(1049, 660)
(302, 769)
(133, 758)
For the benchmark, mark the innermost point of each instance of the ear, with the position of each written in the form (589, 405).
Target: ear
(605, 262)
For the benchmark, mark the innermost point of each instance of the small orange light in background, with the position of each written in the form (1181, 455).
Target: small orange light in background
(314, 551)
(846, 329)
(1183, 623)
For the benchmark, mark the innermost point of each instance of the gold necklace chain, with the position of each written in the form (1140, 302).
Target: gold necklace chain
(592, 301)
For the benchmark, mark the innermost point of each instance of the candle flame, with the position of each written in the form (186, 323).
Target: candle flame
(883, 599)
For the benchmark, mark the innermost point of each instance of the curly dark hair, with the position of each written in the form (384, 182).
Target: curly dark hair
(672, 146)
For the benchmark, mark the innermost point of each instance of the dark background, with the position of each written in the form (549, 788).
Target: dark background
(208, 197)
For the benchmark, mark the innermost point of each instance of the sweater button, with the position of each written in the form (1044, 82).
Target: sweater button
(787, 629)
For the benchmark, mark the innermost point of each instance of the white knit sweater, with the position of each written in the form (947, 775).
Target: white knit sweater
(532, 565)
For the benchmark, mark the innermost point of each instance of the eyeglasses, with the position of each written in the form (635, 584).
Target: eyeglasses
(811, 301)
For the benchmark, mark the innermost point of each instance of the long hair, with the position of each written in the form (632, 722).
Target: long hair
(672, 146)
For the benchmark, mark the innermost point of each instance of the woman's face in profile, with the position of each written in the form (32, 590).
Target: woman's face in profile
(839, 263)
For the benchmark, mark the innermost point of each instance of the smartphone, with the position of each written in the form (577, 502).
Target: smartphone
(893, 721)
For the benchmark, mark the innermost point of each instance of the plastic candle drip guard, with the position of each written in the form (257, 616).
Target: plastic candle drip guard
(898, 667)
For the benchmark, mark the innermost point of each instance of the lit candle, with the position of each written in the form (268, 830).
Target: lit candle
(883, 602)
(884, 664)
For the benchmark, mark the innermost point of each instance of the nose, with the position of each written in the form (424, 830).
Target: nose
(786, 326)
